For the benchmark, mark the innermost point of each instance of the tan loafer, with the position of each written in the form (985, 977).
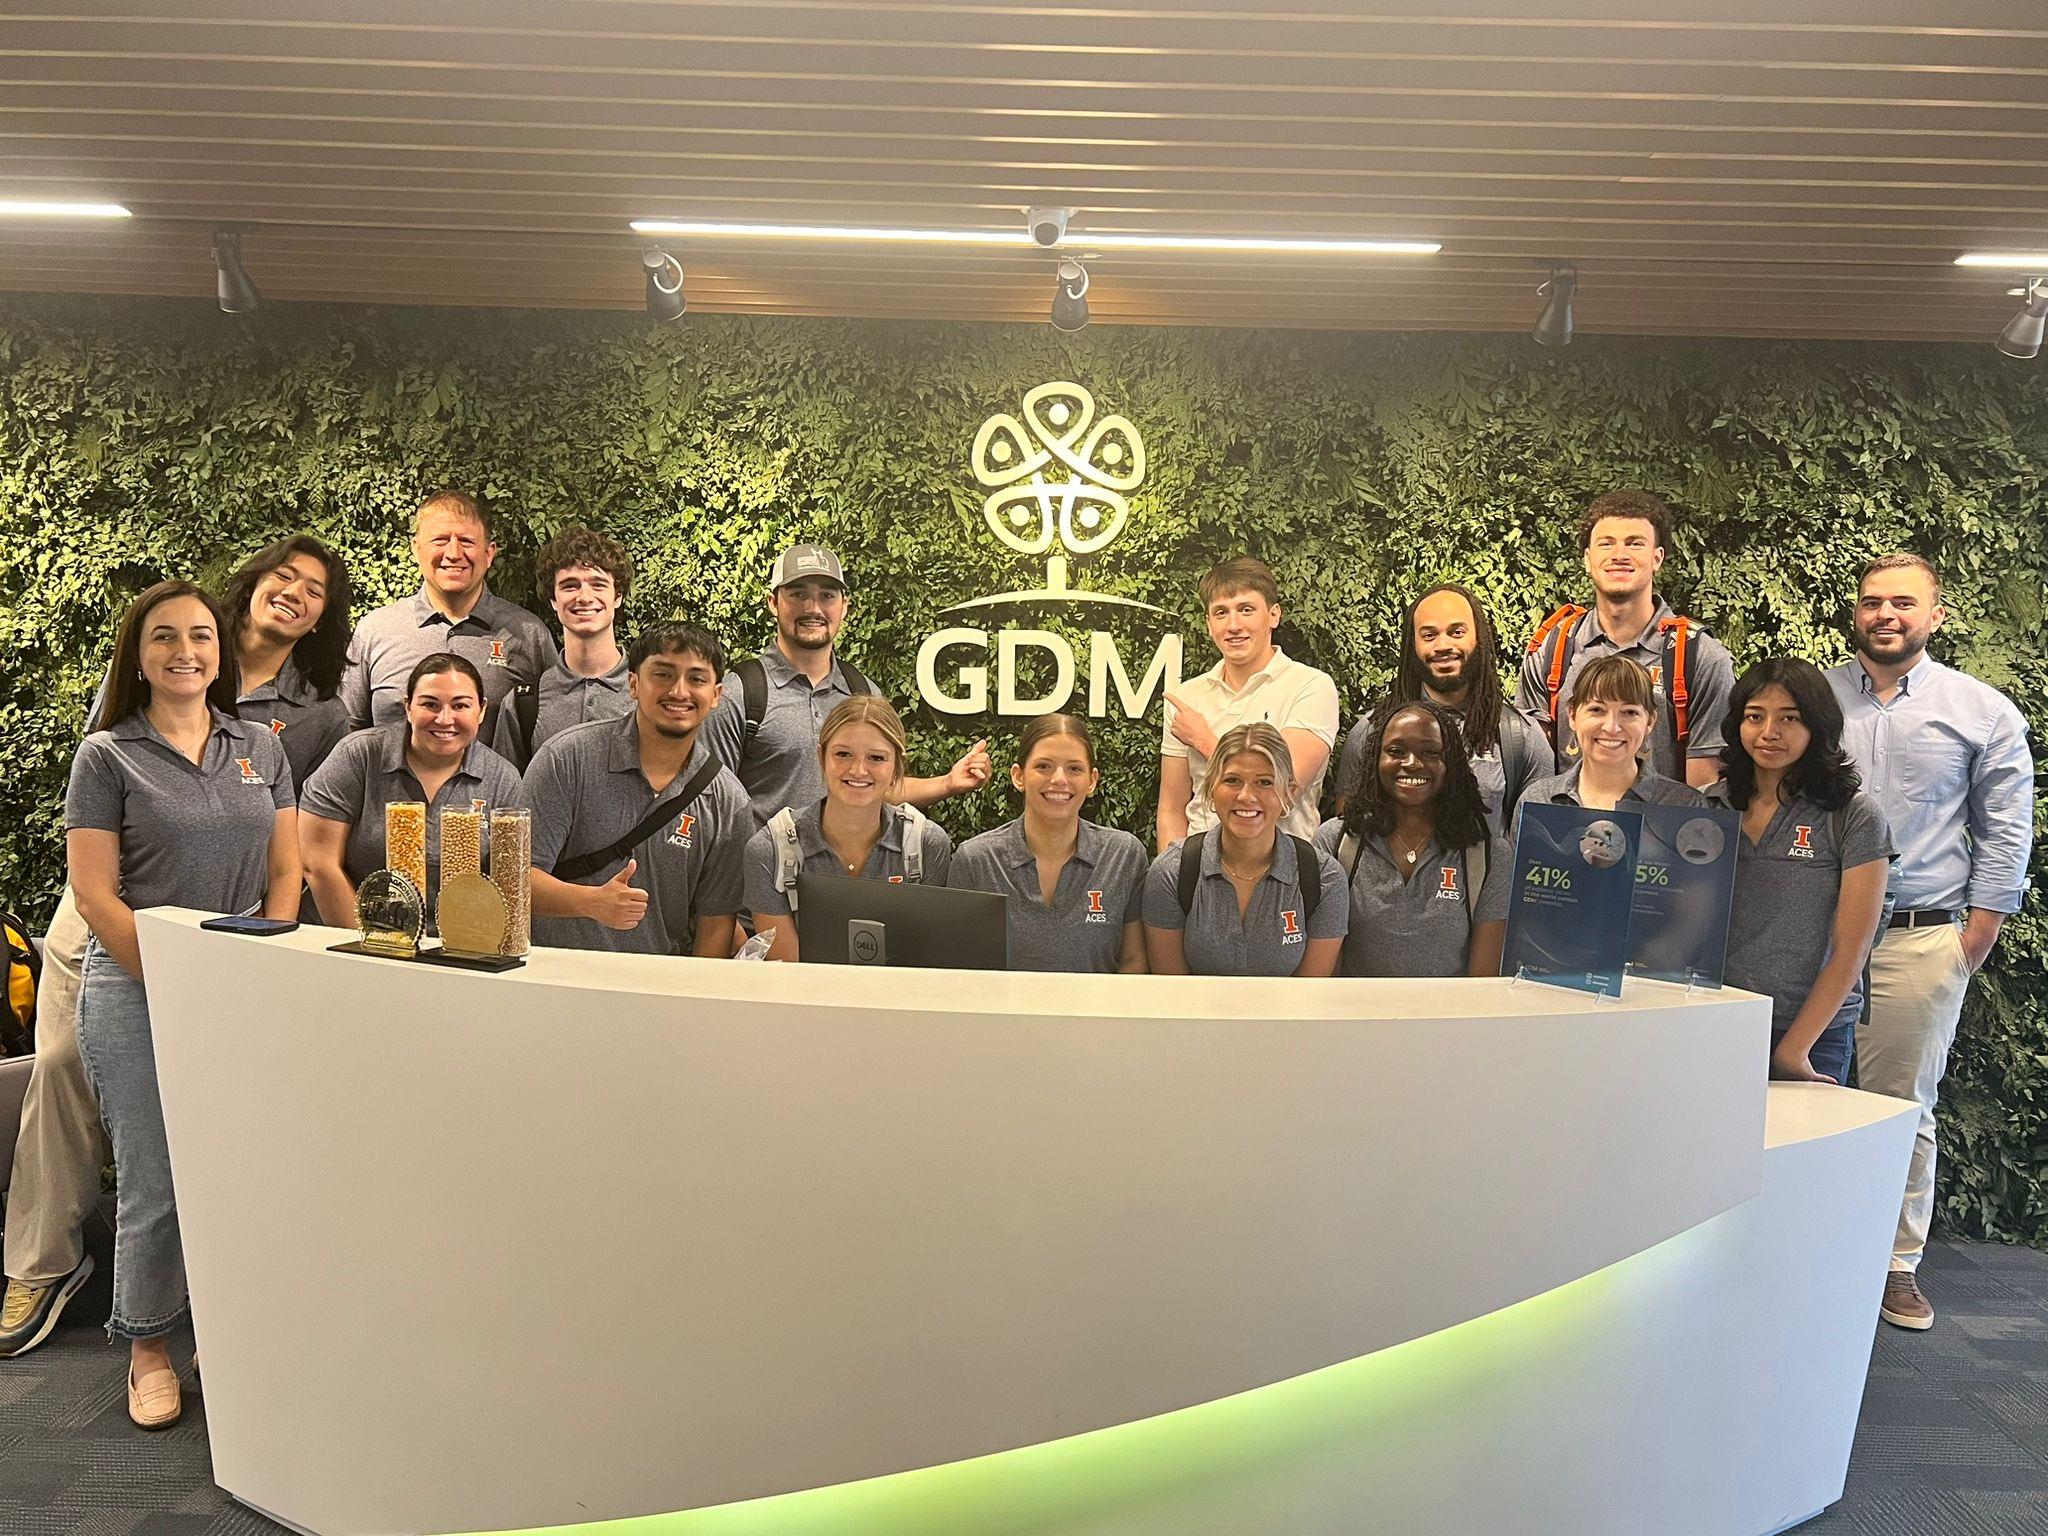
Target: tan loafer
(155, 1402)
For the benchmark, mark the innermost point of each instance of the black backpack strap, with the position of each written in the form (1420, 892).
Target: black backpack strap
(1309, 875)
(856, 680)
(590, 863)
(1190, 871)
(1514, 758)
(753, 698)
(526, 712)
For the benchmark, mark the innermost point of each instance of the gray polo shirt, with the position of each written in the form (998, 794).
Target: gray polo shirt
(192, 834)
(885, 860)
(780, 768)
(562, 699)
(1421, 926)
(1100, 889)
(1488, 767)
(1709, 682)
(306, 725)
(586, 791)
(505, 643)
(1271, 937)
(1787, 886)
(1650, 788)
(368, 771)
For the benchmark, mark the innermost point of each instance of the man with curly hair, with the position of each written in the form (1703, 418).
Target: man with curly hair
(585, 577)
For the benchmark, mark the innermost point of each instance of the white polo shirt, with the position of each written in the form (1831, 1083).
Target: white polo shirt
(1283, 693)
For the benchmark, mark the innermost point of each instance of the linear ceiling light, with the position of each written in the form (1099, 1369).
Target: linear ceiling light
(2030, 261)
(13, 209)
(1024, 238)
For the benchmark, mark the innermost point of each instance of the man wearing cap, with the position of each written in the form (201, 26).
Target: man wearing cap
(1946, 757)
(452, 611)
(765, 727)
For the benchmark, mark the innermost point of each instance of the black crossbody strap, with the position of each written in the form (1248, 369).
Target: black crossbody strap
(590, 863)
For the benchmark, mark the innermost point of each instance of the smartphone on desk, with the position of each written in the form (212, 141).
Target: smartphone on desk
(261, 927)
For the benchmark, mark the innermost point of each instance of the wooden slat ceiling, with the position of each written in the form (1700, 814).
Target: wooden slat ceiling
(1718, 167)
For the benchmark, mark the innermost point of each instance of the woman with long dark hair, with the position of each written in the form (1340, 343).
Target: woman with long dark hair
(1427, 875)
(1075, 889)
(174, 802)
(1810, 873)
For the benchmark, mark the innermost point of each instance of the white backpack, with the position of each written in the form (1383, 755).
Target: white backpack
(789, 853)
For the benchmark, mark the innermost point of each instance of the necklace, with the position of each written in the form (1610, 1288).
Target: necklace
(1412, 854)
(1257, 874)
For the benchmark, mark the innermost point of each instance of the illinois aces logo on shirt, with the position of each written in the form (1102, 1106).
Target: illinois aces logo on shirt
(1447, 889)
(498, 658)
(1290, 927)
(1802, 843)
(685, 825)
(276, 726)
(249, 773)
(1095, 914)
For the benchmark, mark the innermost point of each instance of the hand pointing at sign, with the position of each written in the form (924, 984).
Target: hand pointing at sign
(618, 903)
(972, 770)
(1190, 726)
(964, 777)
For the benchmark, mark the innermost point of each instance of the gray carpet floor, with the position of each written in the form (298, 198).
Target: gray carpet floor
(1953, 1441)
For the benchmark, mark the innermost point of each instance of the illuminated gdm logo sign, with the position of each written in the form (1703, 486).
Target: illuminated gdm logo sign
(1058, 483)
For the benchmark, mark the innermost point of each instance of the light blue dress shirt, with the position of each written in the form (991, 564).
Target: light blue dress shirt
(1947, 759)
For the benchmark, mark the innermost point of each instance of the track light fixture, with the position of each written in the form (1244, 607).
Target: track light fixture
(238, 294)
(664, 284)
(1554, 325)
(2022, 334)
(1070, 296)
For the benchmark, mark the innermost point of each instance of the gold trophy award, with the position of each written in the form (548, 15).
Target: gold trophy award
(390, 914)
(472, 919)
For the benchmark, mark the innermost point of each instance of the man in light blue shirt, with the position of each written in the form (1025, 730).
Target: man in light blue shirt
(1946, 756)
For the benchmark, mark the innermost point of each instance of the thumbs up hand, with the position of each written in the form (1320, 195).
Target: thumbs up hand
(618, 903)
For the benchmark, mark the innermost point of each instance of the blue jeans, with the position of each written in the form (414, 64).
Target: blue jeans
(120, 1058)
(1831, 1052)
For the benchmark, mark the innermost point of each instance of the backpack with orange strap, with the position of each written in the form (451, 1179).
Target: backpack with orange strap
(1563, 625)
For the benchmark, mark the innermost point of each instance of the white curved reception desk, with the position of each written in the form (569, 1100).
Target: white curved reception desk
(740, 1248)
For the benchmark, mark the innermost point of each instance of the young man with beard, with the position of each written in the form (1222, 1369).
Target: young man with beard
(1254, 681)
(586, 577)
(287, 610)
(1449, 657)
(766, 725)
(638, 830)
(1946, 756)
(1625, 535)
(452, 611)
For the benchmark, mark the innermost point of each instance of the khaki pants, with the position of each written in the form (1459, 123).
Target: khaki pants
(62, 1147)
(1917, 980)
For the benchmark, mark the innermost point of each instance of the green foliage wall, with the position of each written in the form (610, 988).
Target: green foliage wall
(142, 439)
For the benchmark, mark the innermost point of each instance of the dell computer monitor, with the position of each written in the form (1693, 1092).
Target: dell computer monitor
(874, 922)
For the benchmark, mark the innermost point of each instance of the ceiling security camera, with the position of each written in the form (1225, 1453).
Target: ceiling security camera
(1048, 226)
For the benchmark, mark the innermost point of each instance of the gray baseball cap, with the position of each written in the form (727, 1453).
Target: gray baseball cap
(801, 560)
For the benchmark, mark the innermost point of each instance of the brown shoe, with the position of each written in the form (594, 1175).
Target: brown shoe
(1903, 1305)
(155, 1401)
